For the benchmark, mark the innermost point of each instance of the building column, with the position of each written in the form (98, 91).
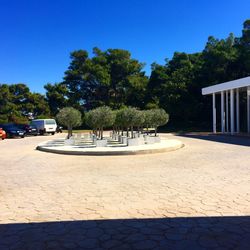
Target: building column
(232, 110)
(222, 113)
(237, 111)
(214, 114)
(227, 123)
(248, 109)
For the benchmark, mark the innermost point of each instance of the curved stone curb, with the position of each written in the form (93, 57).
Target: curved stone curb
(172, 145)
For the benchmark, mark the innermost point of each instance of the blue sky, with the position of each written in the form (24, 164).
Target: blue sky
(36, 36)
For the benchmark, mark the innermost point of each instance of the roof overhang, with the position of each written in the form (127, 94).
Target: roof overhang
(236, 84)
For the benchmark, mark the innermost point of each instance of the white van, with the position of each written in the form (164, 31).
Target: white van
(45, 126)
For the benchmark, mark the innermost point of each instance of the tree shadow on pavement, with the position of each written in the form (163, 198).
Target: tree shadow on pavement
(164, 233)
(230, 139)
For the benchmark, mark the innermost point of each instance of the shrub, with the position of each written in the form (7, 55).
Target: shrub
(70, 118)
(158, 118)
(100, 118)
(148, 118)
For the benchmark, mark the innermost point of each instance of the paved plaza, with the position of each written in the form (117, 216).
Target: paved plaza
(197, 197)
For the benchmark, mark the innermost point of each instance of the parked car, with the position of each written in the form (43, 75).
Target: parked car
(12, 131)
(29, 129)
(2, 134)
(45, 126)
(59, 129)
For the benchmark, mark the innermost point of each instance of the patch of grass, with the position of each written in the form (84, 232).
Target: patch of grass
(78, 131)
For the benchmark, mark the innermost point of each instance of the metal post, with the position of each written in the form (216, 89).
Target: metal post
(232, 110)
(214, 114)
(227, 123)
(222, 113)
(248, 109)
(237, 111)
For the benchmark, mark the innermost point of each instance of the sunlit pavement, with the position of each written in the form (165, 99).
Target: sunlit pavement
(197, 197)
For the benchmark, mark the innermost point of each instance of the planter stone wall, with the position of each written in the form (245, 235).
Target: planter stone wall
(69, 142)
(157, 139)
(151, 139)
(148, 139)
(120, 138)
(101, 143)
(124, 140)
(135, 141)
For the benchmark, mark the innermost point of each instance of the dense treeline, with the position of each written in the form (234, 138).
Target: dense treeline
(18, 104)
(115, 79)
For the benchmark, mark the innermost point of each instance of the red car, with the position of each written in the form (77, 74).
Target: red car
(2, 134)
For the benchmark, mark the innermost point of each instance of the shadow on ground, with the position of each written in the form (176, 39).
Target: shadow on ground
(235, 139)
(164, 233)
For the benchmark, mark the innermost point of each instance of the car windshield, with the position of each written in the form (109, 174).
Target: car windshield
(50, 122)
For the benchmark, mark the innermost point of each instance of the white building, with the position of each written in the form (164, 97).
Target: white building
(229, 100)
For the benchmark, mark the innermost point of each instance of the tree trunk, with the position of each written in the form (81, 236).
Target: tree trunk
(132, 132)
(127, 131)
(156, 131)
(101, 133)
(69, 131)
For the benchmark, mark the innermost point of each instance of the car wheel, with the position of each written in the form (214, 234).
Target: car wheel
(53, 133)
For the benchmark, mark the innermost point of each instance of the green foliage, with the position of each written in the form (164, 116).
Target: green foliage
(148, 117)
(70, 118)
(100, 118)
(127, 116)
(110, 78)
(17, 102)
(56, 96)
(159, 117)
(155, 118)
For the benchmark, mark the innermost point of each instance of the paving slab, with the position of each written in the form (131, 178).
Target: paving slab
(193, 198)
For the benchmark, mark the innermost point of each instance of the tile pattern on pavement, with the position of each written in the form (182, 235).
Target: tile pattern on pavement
(195, 198)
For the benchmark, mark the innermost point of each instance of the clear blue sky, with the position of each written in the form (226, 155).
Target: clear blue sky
(36, 36)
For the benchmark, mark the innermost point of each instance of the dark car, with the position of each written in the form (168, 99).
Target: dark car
(13, 131)
(59, 129)
(29, 129)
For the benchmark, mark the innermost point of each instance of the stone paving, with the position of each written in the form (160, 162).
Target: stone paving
(197, 197)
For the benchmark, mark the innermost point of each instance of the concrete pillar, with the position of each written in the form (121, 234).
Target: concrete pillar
(214, 114)
(237, 111)
(232, 110)
(248, 109)
(222, 113)
(227, 123)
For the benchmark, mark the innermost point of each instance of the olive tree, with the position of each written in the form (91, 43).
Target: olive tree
(148, 118)
(158, 117)
(100, 118)
(128, 118)
(139, 119)
(90, 120)
(70, 118)
(118, 123)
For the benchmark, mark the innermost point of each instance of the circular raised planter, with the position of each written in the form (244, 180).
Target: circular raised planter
(165, 145)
